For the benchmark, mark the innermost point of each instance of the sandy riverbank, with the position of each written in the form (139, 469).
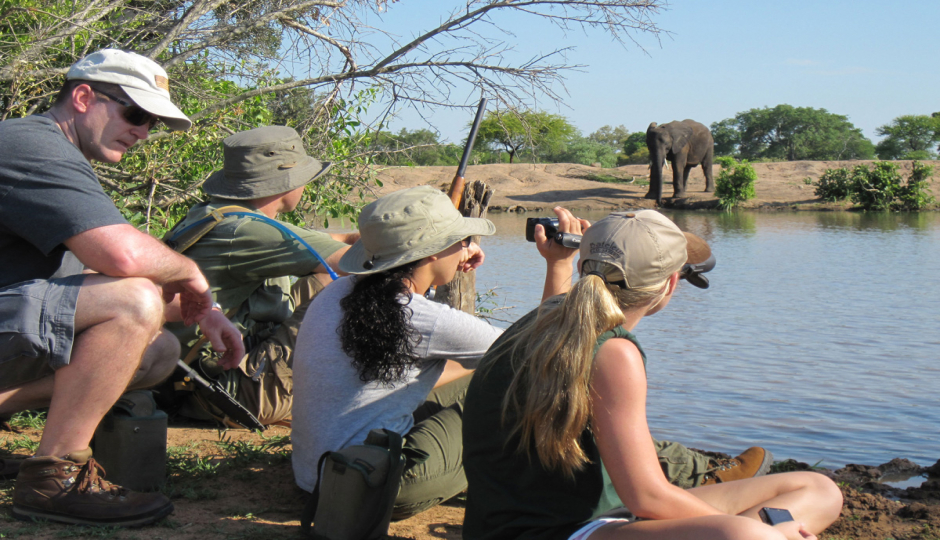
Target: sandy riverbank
(780, 185)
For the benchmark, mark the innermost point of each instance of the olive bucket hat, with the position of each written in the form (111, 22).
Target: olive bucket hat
(263, 161)
(407, 226)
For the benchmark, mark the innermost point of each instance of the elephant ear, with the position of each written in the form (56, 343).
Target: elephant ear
(681, 134)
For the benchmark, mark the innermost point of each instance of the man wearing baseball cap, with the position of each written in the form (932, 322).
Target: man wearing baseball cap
(84, 294)
(249, 259)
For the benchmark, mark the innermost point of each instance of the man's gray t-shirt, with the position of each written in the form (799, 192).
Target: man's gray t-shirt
(333, 408)
(48, 194)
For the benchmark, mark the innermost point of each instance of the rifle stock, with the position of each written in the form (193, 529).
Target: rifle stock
(456, 187)
(217, 395)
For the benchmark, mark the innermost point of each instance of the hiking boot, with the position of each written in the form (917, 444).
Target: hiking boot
(73, 490)
(755, 461)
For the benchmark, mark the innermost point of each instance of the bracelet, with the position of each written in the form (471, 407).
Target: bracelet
(216, 305)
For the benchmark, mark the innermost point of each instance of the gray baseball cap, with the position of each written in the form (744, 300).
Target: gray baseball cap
(263, 161)
(641, 248)
(142, 79)
(407, 226)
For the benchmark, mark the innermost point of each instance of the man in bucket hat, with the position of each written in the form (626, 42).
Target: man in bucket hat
(249, 260)
(74, 341)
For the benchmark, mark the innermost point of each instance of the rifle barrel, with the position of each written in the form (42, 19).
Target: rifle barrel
(471, 138)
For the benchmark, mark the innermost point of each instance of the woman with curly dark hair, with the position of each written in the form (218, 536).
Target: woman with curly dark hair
(373, 352)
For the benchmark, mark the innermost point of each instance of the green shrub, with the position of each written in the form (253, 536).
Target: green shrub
(880, 187)
(915, 195)
(834, 185)
(876, 188)
(735, 182)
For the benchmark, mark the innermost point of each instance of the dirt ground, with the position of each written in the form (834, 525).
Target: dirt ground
(530, 187)
(239, 485)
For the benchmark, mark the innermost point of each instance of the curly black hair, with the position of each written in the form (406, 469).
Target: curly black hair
(376, 330)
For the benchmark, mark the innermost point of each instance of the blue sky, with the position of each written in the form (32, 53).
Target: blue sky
(869, 60)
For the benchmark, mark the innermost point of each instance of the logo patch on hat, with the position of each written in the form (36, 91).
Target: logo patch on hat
(162, 82)
(606, 249)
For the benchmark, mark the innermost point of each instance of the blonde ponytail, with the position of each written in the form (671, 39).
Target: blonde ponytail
(549, 397)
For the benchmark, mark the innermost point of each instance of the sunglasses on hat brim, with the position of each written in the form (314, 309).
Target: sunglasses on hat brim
(693, 272)
(134, 115)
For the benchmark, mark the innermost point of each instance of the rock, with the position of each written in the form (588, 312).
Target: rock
(900, 466)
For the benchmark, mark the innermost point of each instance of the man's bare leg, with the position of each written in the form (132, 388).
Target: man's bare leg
(158, 362)
(115, 322)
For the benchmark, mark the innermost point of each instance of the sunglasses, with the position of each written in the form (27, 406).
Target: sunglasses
(132, 113)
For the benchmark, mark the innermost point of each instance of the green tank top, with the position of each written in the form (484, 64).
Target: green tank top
(511, 496)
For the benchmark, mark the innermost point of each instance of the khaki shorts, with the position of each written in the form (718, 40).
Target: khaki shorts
(37, 328)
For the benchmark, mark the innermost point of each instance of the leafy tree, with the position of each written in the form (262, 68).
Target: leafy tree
(634, 142)
(418, 147)
(792, 133)
(613, 137)
(727, 137)
(541, 133)
(586, 152)
(910, 137)
(235, 64)
(634, 151)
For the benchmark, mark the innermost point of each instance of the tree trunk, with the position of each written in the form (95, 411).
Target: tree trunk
(461, 293)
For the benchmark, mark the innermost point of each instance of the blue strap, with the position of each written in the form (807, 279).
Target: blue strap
(274, 223)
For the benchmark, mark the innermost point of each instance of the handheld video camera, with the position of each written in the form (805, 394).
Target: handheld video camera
(551, 231)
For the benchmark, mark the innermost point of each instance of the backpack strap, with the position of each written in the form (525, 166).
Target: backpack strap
(310, 509)
(186, 237)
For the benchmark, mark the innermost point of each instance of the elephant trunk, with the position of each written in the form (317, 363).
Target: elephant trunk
(656, 176)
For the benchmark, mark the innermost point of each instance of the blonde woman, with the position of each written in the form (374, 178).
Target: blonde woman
(556, 441)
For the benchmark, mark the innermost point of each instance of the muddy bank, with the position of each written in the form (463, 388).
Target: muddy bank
(239, 485)
(536, 187)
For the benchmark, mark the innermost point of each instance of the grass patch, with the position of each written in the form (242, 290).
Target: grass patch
(12, 445)
(28, 420)
(187, 470)
(272, 451)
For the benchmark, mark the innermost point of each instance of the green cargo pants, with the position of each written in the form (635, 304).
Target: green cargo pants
(434, 454)
(682, 467)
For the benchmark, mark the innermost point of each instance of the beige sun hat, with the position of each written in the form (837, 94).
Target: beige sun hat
(407, 226)
(142, 79)
(263, 161)
(641, 248)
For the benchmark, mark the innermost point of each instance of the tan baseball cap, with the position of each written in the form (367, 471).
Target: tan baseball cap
(144, 81)
(406, 226)
(641, 248)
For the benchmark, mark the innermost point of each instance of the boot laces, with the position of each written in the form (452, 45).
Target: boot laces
(89, 479)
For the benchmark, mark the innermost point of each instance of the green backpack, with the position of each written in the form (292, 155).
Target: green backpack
(356, 490)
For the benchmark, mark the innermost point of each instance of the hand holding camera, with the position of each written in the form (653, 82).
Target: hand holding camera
(559, 237)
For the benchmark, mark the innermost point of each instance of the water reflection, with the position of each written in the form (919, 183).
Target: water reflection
(818, 337)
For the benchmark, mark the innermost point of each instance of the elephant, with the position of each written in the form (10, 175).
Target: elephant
(685, 144)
